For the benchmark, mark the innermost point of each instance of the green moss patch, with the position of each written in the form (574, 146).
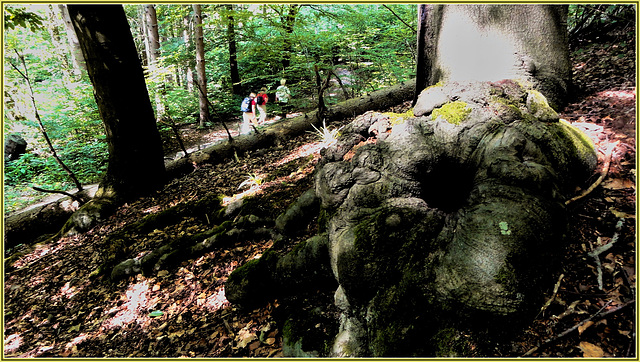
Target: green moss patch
(453, 112)
(399, 118)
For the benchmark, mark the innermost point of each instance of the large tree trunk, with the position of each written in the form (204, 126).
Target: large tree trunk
(442, 229)
(200, 66)
(528, 43)
(135, 149)
(236, 84)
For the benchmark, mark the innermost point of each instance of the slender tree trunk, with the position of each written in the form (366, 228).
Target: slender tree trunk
(76, 52)
(288, 24)
(146, 55)
(60, 49)
(426, 46)
(186, 35)
(151, 34)
(153, 37)
(236, 85)
(200, 65)
(136, 161)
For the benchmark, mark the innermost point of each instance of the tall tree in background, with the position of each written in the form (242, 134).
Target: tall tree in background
(236, 85)
(288, 21)
(151, 21)
(76, 52)
(200, 65)
(186, 37)
(136, 163)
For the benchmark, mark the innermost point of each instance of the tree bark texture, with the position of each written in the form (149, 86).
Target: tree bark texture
(135, 149)
(200, 66)
(528, 43)
(76, 51)
(186, 35)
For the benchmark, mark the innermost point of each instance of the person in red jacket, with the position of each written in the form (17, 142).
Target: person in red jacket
(261, 103)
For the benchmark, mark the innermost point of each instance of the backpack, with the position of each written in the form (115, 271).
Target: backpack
(259, 100)
(246, 105)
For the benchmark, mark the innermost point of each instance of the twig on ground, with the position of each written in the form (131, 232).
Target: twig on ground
(595, 254)
(596, 316)
(553, 296)
(603, 174)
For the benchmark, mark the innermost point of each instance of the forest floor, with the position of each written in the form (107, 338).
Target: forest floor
(53, 308)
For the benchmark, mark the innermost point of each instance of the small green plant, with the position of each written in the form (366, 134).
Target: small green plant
(504, 228)
(328, 137)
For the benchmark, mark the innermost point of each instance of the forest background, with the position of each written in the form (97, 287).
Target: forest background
(362, 47)
(365, 47)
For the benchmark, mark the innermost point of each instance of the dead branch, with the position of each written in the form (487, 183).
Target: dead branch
(596, 316)
(595, 254)
(43, 130)
(75, 197)
(399, 18)
(603, 174)
(553, 295)
(344, 90)
(176, 132)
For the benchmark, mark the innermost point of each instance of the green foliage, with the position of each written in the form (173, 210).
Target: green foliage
(66, 107)
(595, 20)
(504, 228)
(365, 45)
(15, 16)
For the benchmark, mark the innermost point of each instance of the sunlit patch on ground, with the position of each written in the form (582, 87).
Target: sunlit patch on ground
(300, 152)
(152, 210)
(68, 291)
(12, 343)
(134, 308)
(214, 301)
(42, 250)
(36, 280)
(72, 347)
(620, 94)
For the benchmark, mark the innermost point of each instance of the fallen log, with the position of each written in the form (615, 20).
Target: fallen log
(27, 226)
(282, 131)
